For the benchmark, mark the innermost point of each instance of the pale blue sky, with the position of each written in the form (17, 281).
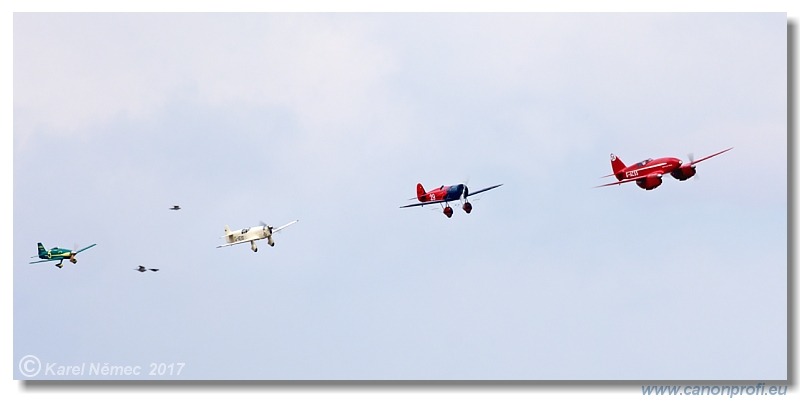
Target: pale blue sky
(332, 119)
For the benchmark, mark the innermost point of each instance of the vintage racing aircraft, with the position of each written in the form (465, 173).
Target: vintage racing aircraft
(252, 234)
(59, 254)
(447, 194)
(647, 173)
(142, 268)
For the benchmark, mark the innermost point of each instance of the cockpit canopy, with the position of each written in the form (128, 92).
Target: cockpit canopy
(644, 162)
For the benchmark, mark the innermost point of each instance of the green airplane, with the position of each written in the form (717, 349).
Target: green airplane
(59, 254)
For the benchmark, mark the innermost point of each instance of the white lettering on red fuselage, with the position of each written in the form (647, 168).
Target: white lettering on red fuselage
(635, 173)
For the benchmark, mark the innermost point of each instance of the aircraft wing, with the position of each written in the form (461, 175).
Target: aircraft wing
(276, 230)
(621, 181)
(484, 189)
(236, 242)
(710, 156)
(36, 262)
(419, 204)
(630, 179)
(85, 248)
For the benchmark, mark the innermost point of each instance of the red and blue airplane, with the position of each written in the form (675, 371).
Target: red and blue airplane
(446, 194)
(647, 173)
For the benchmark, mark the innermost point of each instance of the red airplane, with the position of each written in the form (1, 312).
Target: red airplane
(647, 173)
(445, 194)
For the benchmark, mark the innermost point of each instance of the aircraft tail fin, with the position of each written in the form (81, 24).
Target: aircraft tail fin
(420, 192)
(42, 250)
(616, 164)
(227, 231)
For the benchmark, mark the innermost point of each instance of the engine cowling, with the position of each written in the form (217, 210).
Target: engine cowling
(649, 182)
(684, 172)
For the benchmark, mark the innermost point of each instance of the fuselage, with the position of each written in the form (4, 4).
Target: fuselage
(249, 234)
(443, 193)
(56, 253)
(649, 166)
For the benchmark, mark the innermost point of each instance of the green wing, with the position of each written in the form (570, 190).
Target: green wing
(85, 248)
(36, 262)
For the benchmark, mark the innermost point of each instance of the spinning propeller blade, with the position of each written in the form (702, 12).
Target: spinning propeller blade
(266, 227)
(691, 163)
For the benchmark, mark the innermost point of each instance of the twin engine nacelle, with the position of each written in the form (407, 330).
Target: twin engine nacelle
(649, 182)
(684, 172)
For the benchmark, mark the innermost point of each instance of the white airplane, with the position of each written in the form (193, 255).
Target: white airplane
(252, 234)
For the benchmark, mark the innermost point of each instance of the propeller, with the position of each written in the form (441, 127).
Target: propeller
(266, 227)
(691, 163)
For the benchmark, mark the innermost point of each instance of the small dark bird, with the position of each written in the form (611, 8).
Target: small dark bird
(143, 269)
(175, 207)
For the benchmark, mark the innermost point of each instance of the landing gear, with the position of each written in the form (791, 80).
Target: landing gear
(448, 211)
(73, 260)
(60, 264)
(467, 207)
(253, 247)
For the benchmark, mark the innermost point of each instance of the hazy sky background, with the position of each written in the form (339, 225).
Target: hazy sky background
(333, 119)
